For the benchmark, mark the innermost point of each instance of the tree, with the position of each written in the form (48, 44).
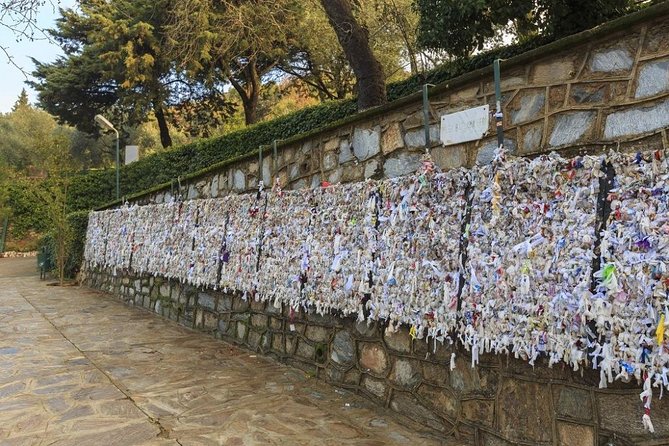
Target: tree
(462, 26)
(22, 102)
(318, 59)
(115, 63)
(354, 40)
(240, 42)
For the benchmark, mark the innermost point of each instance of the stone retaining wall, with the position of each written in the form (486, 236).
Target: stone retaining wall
(607, 88)
(500, 402)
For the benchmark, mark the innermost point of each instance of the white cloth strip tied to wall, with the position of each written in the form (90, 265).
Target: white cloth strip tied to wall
(417, 268)
(631, 305)
(325, 248)
(530, 252)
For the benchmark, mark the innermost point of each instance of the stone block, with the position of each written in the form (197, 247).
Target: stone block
(399, 340)
(554, 71)
(575, 435)
(371, 168)
(267, 170)
(615, 411)
(436, 373)
(210, 322)
(488, 439)
(479, 411)
(254, 339)
(345, 152)
(277, 343)
(225, 303)
(366, 142)
(193, 193)
(657, 38)
(241, 330)
(207, 301)
(213, 187)
(329, 161)
(275, 323)
(238, 180)
(352, 377)
(305, 350)
(415, 139)
(556, 97)
(450, 157)
(532, 135)
(373, 358)
(637, 120)
(317, 334)
(404, 164)
(407, 405)
(527, 106)
(352, 173)
(257, 305)
(374, 386)
(366, 328)
(524, 411)
(334, 177)
(653, 79)
(331, 144)
(611, 60)
(343, 348)
(464, 378)
(391, 139)
(487, 152)
(334, 375)
(572, 402)
(259, 320)
(571, 127)
(465, 94)
(589, 93)
(406, 373)
(441, 400)
(165, 290)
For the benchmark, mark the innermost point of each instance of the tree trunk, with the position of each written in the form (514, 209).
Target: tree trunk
(165, 138)
(249, 91)
(354, 40)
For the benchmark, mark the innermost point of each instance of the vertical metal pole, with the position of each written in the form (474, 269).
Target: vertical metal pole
(259, 165)
(275, 162)
(5, 227)
(426, 117)
(118, 166)
(498, 98)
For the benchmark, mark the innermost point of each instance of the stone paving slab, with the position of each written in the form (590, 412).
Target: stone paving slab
(78, 368)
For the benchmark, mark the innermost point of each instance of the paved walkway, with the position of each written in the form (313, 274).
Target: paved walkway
(79, 368)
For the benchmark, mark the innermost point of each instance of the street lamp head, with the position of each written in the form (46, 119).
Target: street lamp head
(104, 123)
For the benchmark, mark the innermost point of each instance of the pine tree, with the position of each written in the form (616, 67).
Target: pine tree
(22, 102)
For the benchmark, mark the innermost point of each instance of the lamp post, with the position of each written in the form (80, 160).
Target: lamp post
(105, 124)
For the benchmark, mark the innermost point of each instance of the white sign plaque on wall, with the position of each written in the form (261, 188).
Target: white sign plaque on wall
(467, 125)
(131, 154)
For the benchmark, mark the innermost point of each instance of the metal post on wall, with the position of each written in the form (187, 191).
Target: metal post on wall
(275, 161)
(426, 116)
(499, 115)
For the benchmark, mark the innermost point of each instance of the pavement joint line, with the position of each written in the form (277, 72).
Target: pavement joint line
(164, 433)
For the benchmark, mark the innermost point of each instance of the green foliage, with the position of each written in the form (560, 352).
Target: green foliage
(78, 223)
(462, 26)
(27, 213)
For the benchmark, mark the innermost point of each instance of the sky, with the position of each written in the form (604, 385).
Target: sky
(11, 78)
